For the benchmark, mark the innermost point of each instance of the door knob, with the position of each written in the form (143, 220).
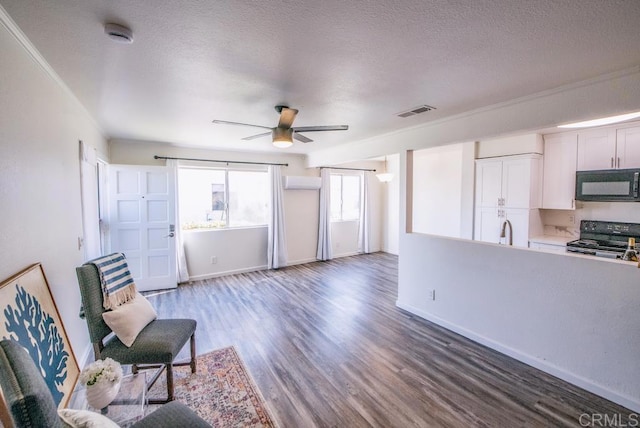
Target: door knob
(171, 235)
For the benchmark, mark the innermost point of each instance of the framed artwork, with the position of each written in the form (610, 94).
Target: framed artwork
(28, 315)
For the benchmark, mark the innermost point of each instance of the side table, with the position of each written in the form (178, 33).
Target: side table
(127, 408)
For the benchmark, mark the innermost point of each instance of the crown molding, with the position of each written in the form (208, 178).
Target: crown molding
(12, 28)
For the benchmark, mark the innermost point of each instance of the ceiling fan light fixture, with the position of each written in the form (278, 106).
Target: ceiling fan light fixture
(282, 138)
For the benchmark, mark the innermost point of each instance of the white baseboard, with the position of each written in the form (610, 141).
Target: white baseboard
(587, 384)
(350, 253)
(87, 356)
(263, 267)
(227, 272)
(301, 261)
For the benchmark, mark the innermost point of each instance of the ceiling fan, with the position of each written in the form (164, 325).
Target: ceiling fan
(284, 133)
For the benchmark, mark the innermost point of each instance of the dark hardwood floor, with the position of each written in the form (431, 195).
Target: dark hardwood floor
(327, 347)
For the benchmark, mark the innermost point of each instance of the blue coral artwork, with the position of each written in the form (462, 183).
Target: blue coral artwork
(30, 317)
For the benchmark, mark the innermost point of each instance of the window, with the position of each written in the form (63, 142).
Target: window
(218, 198)
(345, 197)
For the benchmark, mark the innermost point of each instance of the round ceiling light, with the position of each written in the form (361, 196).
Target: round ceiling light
(282, 137)
(118, 33)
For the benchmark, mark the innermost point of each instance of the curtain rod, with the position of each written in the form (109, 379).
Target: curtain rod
(221, 161)
(348, 169)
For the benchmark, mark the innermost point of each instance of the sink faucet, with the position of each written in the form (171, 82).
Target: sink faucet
(503, 233)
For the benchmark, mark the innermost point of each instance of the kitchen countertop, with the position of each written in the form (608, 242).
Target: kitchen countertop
(552, 240)
(561, 241)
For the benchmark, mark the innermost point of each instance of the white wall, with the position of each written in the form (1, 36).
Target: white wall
(301, 218)
(344, 238)
(437, 188)
(576, 318)
(235, 250)
(391, 192)
(41, 218)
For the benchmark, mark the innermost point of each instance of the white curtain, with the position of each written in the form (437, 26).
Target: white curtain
(324, 223)
(277, 250)
(89, 202)
(364, 223)
(181, 257)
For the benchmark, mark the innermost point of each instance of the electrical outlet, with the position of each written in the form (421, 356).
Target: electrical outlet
(214, 260)
(432, 294)
(572, 219)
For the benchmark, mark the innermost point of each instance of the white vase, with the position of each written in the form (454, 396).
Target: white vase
(100, 395)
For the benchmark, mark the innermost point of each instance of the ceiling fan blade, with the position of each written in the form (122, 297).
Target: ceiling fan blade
(253, 137)
(226, 122)
(287, 115)
(320, 128)
(302, 138)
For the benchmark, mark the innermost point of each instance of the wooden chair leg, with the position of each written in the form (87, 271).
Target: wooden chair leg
(193, 353)
(170, 382)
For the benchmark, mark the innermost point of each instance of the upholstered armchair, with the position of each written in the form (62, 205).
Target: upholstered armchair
(156, 346)
(30, 403)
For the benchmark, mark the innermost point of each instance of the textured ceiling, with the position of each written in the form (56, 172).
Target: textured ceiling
(357, 62)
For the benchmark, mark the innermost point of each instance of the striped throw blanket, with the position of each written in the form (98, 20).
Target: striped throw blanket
(116, 280)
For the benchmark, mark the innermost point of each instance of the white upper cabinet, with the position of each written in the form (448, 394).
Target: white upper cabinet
(560, 161)
(596, 149)
(507, 188)
(628, 147)
(510, 181)
(488, 183)
(609, 148)
(520, 183)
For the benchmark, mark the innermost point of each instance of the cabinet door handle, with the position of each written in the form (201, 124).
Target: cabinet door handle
(611, 162)
(618, 166)
(573, 203)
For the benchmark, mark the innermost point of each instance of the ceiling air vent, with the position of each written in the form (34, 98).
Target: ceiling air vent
(416, 110)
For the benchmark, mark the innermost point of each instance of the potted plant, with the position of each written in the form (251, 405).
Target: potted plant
(102, 380)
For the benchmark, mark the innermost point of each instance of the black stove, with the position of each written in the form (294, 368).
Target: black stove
(604, 238)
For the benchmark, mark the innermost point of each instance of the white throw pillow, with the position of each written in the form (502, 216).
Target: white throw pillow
(128, 319)
(85, 419)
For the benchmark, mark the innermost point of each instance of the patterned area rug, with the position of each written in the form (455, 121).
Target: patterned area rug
(221, 391)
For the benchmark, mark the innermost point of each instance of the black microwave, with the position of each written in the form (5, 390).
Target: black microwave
(609, 185)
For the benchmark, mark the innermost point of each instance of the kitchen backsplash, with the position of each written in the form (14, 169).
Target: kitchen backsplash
(564, 231)
(566, 223)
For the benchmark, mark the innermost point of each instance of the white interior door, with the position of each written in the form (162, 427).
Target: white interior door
(142, 223)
